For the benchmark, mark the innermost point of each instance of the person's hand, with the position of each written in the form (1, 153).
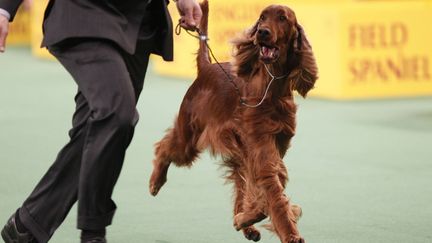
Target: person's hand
(190, 13)
(27, 4)
(4, 29)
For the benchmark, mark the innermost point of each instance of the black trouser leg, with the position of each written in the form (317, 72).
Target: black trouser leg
(88, 167)
(47, 206)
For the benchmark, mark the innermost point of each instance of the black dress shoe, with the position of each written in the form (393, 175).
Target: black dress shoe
(95, 240)
(10, 233)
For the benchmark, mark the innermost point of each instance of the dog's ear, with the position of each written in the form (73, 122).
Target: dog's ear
(252, 31)
(245, 52)
(296, 40)
(307, 72)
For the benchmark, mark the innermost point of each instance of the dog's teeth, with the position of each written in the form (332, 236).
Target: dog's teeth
(271, 52)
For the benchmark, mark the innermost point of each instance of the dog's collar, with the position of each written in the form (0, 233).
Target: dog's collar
(272, 75)
(273, 78)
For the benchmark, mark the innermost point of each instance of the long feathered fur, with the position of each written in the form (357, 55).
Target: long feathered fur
(251, 141)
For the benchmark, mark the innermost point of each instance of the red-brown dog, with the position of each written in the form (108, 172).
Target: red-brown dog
(250, 127)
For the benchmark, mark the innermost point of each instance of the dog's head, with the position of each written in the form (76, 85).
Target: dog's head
(277, 38)
(281, 39)
(276, 34)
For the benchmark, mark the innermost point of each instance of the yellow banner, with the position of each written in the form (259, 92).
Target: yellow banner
(19, 31)
(388, 51)
(37, 12)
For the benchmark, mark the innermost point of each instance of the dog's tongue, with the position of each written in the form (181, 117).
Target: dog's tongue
(267, 52)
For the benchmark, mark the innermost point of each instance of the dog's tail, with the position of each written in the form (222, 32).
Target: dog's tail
(203, 58)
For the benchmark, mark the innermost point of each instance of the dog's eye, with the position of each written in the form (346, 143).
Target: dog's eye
(282, 18)
(262, 18)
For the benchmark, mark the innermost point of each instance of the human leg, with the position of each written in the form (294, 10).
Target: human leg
(103, 78)
(51, 200)
(49, 203)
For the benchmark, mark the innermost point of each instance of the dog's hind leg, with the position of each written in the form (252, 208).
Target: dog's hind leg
(159, 175)
(161, 164)
(178, 147)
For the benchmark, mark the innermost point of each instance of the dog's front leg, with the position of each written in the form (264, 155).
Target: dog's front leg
(249, 231)
(282, 217)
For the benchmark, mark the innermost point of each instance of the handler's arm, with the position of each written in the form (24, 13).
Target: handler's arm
(10, 6)
(4, 28)
(8, 9)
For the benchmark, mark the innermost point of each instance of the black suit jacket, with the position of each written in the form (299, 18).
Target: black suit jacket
(116, 20)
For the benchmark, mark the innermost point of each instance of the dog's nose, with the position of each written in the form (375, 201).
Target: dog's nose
(263, 33)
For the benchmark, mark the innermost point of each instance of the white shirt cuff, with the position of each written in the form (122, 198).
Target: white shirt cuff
(5, 13)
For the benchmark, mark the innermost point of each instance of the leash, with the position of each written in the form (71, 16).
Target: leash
(205, 39)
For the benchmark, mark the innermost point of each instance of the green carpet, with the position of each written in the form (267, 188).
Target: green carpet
(361, 170)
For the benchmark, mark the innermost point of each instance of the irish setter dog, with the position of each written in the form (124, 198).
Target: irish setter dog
(246, 114)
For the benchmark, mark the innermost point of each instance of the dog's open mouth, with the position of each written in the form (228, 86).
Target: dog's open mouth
(268, 54)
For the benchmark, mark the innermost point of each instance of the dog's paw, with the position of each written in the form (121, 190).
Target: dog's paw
(242, 220)
(154, 189)
(251, 233)
(157, 180)
(239, 221)
(296, 239)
